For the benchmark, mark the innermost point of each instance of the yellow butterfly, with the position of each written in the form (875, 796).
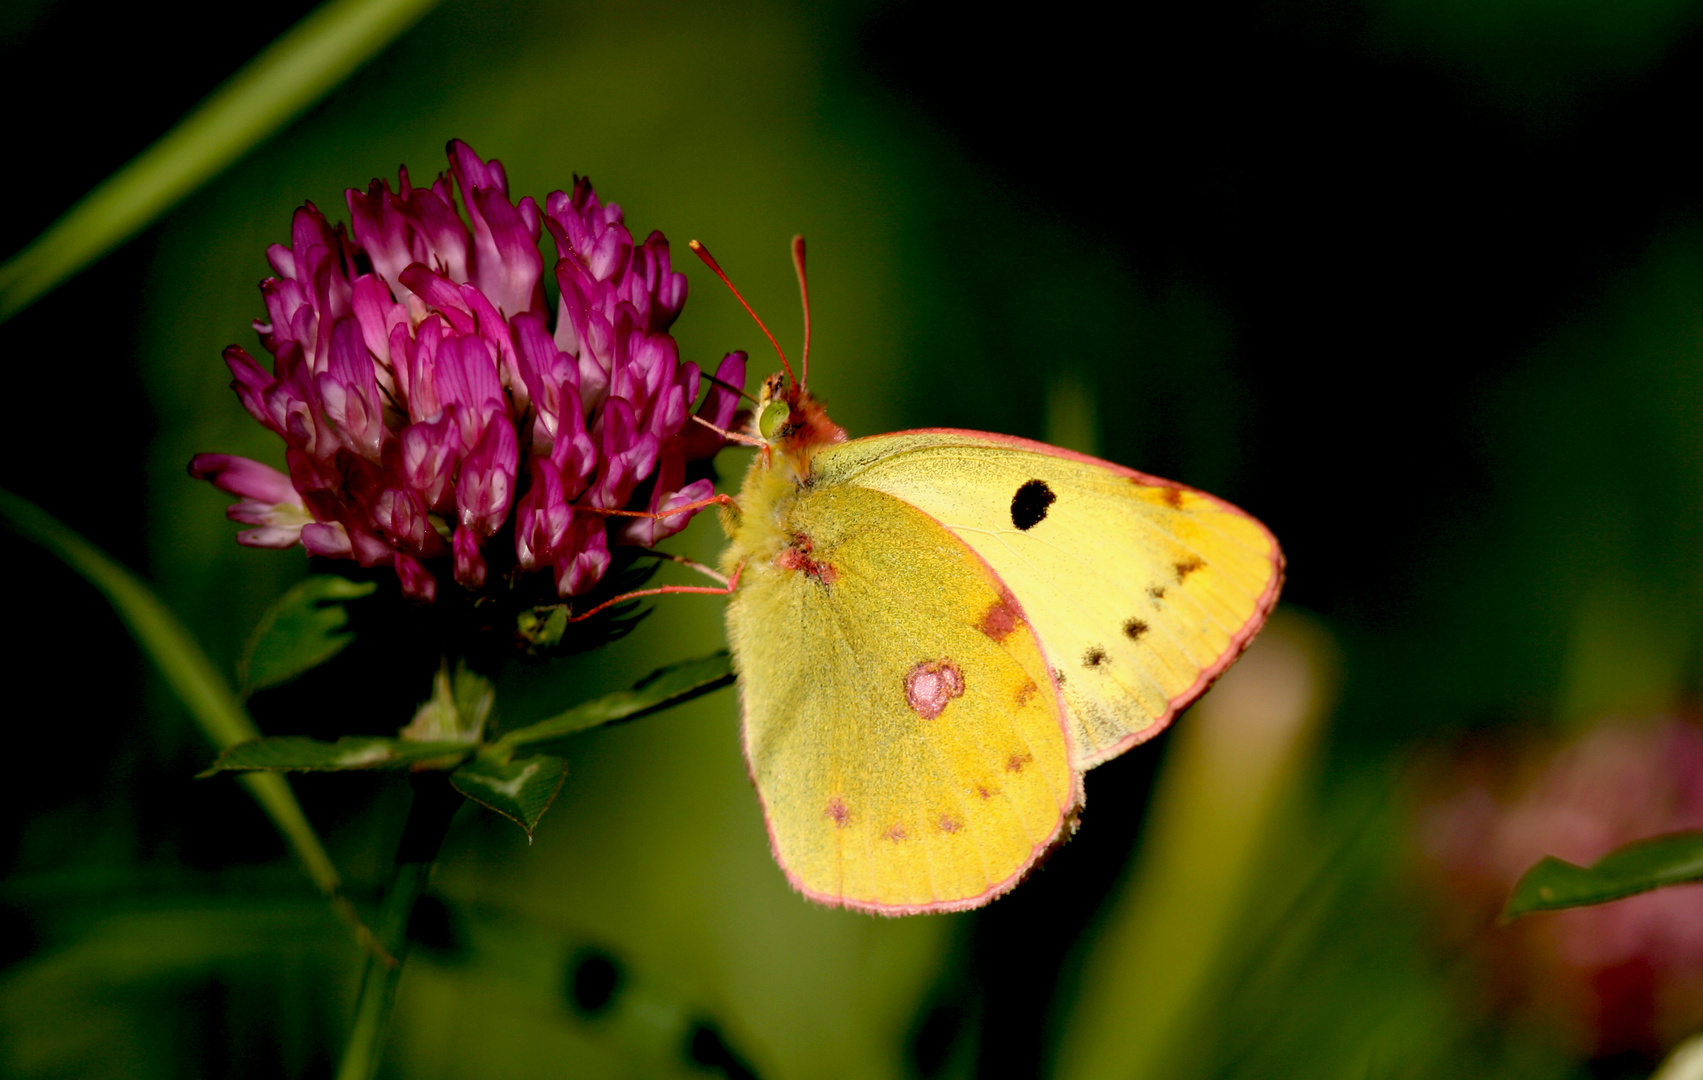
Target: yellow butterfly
(937, 632)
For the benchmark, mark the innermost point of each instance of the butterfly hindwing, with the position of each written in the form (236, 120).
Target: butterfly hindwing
(1141, 591)
(900, 721)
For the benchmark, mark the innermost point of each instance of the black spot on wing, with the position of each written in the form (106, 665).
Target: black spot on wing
(1157, 592)
(1134, 628)
(1094, 657)
(1029, 505)
(1188, 566)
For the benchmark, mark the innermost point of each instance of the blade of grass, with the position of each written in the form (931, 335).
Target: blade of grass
(288, 76)
(204, 692)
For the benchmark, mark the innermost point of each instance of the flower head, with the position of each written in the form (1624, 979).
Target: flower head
(439, 417)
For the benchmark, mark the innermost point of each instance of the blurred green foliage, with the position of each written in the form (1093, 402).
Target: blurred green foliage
(1484, 458)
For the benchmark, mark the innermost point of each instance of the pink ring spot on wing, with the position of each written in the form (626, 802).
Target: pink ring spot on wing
(837, 811)
(930, 685)
(950, 824)
(895, 831)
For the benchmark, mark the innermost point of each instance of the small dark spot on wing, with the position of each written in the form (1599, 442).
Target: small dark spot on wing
(1094, 657)
(837, 812)
(1001, 617)
(1134, 628)
(1157, 592)
(1187, 566)
(1029, 505)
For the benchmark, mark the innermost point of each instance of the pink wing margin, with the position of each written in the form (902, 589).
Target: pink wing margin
(1239, 642)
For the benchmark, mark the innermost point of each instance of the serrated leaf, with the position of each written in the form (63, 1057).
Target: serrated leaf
(519, 790)
(302, 630)
(660, 689)
(294, 753)
(1637, 867)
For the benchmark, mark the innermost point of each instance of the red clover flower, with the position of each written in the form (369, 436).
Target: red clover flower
(436, 418)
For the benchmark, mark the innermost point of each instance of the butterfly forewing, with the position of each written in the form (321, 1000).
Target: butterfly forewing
(1140, 591)
(900, 719)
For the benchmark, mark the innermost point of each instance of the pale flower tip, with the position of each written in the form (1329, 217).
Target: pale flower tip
(276, 537)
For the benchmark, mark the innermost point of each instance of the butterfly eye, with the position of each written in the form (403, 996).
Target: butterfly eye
(773, 419)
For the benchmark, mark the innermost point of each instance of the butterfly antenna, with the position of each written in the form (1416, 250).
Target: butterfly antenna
(804, 297)
(709, 260)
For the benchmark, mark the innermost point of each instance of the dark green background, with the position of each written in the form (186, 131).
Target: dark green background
(1416, 283)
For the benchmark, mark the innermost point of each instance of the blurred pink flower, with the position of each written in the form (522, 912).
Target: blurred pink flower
(431, 405)
(1624, 977)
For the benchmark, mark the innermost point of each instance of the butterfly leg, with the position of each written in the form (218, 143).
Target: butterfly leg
(709, 590)
(713, 500)
(693, 564)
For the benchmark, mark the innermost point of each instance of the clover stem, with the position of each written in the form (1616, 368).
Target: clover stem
(435, 803)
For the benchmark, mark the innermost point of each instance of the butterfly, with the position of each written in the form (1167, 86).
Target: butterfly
(937, 632)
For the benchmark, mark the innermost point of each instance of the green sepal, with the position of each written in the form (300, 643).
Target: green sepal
(659, 690)
(519, 790)
(294, 753)
(458, 709)
(1637, 867)
(542, 627)
(302, 630)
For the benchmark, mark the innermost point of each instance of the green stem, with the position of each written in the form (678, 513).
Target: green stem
(435, 803)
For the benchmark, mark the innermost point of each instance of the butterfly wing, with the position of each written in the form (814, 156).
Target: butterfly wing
(1141, 591)
(909, 756)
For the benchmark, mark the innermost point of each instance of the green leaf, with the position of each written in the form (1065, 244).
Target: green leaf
(519, 790)
(660, 689)
(186, 669)
(291, 74)
(1637, 867)
(294, 753)
(304, 629)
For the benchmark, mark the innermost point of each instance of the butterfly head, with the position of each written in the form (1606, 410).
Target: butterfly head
(792, 422)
